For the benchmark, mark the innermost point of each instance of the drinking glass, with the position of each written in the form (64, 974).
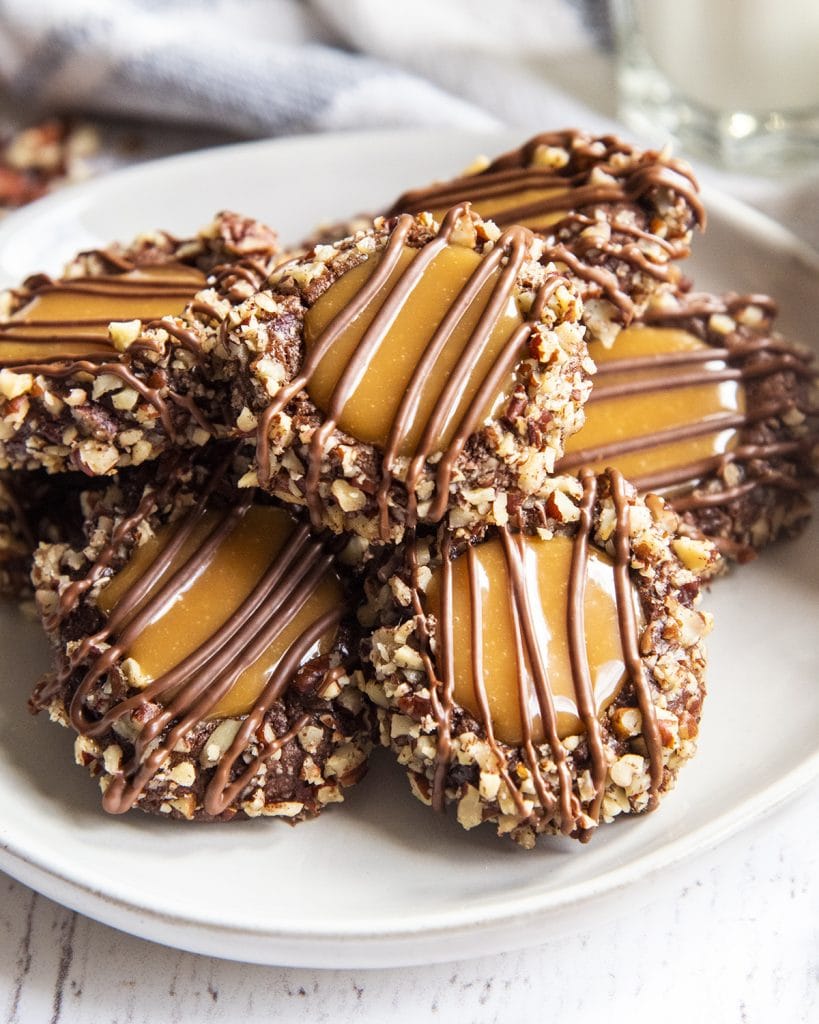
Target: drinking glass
(736, 81)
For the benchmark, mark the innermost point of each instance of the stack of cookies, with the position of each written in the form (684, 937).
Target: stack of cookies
(449, 478)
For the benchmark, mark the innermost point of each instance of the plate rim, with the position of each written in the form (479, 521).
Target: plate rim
(148, 921)
(705, 838)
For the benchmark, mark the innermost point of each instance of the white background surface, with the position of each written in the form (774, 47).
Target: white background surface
(730, 937)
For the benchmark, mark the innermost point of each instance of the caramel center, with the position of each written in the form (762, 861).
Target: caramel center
(196, 611)
(370, 411)
(534, 208)
(70, 318)
(660, 425)
(491, 654)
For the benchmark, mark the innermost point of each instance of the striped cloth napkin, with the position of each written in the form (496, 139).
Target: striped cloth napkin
(197, 72)
(269, 67)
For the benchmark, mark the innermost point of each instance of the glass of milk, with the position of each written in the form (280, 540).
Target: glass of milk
(736, 81)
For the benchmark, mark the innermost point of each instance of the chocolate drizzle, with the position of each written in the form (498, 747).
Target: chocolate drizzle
(578, 656)
(115, 287)
(630, 639)
(507, 255)
(600, 172)
(749, 360)
(182, 698)
(527, 643)
(533, 669)
(495, 182)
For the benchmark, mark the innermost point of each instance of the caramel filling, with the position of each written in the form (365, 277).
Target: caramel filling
(70, 318)
(657, 403)
(493, 651)
(222, 584)
(370, 411)
(523, 206)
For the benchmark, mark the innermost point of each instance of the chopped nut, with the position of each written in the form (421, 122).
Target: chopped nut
(721, 323)
(469, 808)
(310, 772)
(344, 760)
(86, 750)
(627, 722)
(489, 784)
(185, 805)
(99, 458)
(219, 741)
(464, 233)
(76, 396)
(123, 333)
(480, 163)
(140, 452)
(13, 384)
(310, 737)
(552, 157)
(625, 768)
(282, 809)
(695, 555)
(125, 399)
(402, 725)
(350, 498)
(246, 421)
(408, 658)
(133, 674)
(184, 773)
(112, 759)
(329, 795)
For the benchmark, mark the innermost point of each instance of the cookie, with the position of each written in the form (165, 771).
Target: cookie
(707, 404)
(204, 647)
(410, 373)
(547, 681)
(35, 507)
(618, 217)
(86, 383)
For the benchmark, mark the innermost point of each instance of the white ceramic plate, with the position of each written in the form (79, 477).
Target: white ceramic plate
(380, 880)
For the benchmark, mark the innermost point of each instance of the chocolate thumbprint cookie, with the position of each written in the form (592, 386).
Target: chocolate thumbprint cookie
(549, 680)
(409, 374)
(707, 404)
(103, 367)
(204, 650)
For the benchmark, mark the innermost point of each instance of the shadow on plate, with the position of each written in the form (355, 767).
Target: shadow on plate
(39, 752)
